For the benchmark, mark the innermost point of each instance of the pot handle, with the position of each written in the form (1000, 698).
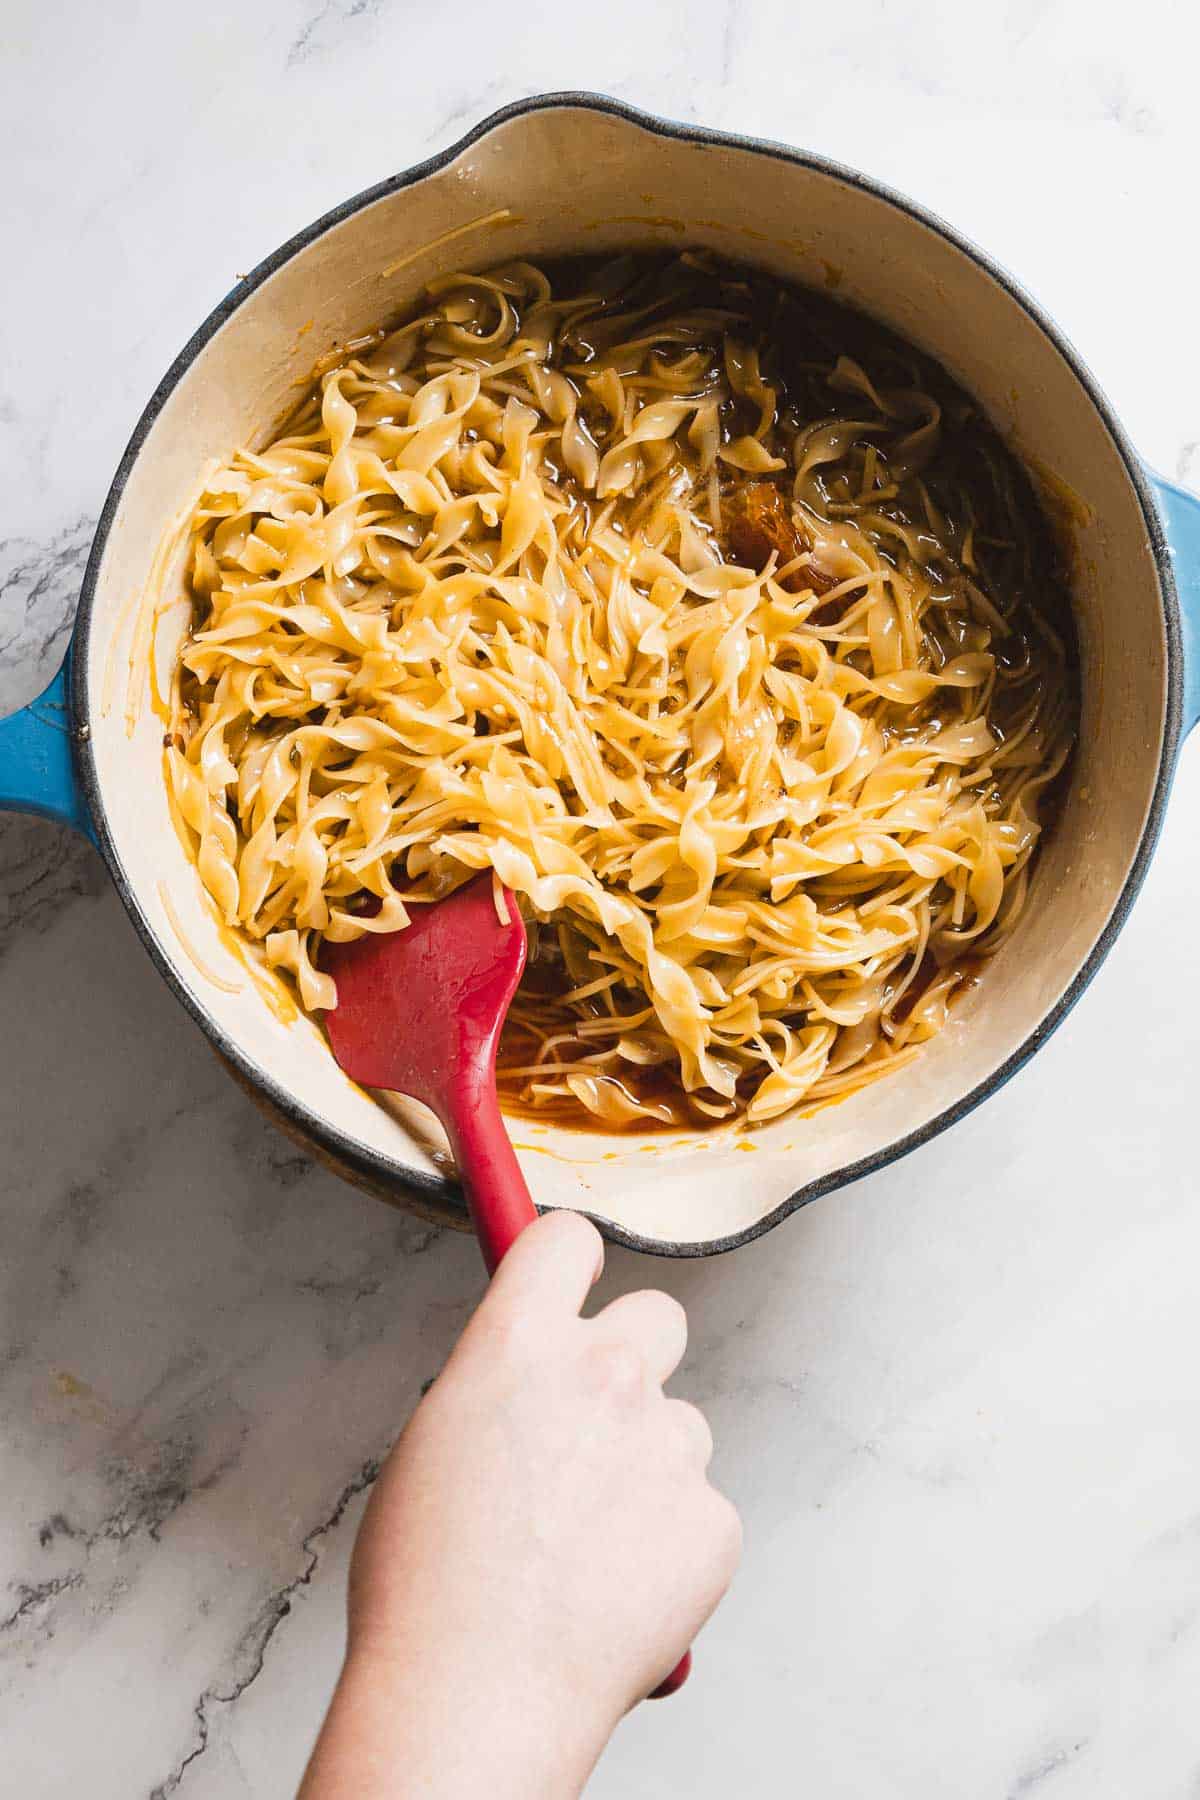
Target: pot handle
(37, 770)
(1182, 513)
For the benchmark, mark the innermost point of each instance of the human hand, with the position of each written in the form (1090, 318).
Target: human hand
(540, 1548)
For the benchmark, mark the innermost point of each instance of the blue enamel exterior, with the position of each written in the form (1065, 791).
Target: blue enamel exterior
(1182, 513)
(37, 768)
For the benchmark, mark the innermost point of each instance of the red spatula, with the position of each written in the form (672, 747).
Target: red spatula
(419, 1012)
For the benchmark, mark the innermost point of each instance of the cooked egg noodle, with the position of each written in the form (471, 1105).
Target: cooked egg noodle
(473, 608)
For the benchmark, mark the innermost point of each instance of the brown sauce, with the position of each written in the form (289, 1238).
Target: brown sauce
(658, 1085)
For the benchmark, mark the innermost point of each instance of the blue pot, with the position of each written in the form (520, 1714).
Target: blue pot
(576, 171)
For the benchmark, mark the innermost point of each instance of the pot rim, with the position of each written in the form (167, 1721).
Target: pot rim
(353, 1156)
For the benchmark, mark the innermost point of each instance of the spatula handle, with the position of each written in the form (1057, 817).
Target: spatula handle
(501, 1207)
(497, 1197)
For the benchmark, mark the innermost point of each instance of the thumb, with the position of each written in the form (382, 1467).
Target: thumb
(553, 1265)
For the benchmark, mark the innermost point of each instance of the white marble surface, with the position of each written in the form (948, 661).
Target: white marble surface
(957, 1403)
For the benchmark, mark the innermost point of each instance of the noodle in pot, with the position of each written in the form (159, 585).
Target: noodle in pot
(708, 615)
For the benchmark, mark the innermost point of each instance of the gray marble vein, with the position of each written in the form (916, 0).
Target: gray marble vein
(251, 1653)
(32, 1597)
(1035, 1778)
(42, 871)
(39, 588)
(325, 27)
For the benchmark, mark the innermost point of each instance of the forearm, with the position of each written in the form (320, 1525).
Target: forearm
(411, 1731)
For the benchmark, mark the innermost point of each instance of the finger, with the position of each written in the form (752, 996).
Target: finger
(725, 1528)
(651, 1322)
(553, 1264)
(691, 1429)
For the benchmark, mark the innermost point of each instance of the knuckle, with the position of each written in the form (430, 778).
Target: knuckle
(691, 1428)
(617, 1368)
(571, 1229)
(669, 1311)
(727, 1532)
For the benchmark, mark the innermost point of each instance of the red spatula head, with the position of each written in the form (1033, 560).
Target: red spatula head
(419, 1011)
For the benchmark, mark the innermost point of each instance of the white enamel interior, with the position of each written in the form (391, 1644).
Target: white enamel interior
(570, 178)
